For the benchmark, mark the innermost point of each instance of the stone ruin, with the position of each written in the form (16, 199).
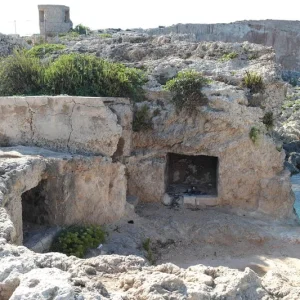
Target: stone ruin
(54, 19)
(79, 160)
(66, 160)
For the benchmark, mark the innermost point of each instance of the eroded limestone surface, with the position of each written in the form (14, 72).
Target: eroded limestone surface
(75, 189)
(62, 123)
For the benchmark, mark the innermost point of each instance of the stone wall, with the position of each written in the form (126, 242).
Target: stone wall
(71, 124)
(54, 19)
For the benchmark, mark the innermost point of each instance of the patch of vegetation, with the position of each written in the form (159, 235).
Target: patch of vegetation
(141, 119)
(253, 82)
(69, 36)
(105, 35)
(229, 56)
(81, 29)
(72, 74)
(268, 120)
(291, 104)
(254, 134)
(186, 90)
(76, 240)
(21, 74)
(42, 50)
(87, 75)
(147, 247)
(253, 55)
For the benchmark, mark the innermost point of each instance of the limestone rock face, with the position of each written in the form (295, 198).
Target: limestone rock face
(8, 43)
(67, 189)
(281, 35)
(84, 125)
(251, 175)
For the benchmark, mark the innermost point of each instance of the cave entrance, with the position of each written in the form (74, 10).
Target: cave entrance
(192, 175)
(35, 211)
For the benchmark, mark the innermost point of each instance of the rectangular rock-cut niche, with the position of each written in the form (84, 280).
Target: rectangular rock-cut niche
(195, 175)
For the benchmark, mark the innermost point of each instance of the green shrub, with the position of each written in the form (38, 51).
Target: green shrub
(21, 74)
(186, 90)
(45, 49)
(268, 120)
(105, 35)
(76, 240)
(229, 56)
(253, 82)
(141, 119)
(149, 254)
(87, 75)
(254, 134)
(72, 74)
(81, 29)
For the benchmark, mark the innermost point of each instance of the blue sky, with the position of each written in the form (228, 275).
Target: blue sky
(133, 13)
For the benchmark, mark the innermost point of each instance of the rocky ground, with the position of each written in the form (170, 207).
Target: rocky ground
(250, 259)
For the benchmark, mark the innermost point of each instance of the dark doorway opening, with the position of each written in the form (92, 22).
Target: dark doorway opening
(35, 212)
(192, 174)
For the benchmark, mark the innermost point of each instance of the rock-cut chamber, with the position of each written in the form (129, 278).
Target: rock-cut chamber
(192, 174)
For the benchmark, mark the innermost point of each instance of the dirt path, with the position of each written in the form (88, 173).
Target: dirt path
(210, 237)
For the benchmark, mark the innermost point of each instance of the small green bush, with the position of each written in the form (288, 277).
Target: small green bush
(149, 254)
(253, 82)
(21, 74)
(141, 119)
(87, 75)
(76, 240)
(105, 35)
(45, 49)
(81, 29)
(186, 90)
(268, 120)
(254, 134)
(229, 56)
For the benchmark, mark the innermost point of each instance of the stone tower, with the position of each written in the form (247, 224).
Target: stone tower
(54, 19)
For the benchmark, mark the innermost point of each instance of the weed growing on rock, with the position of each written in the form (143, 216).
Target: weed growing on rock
(76, 240)
(254, 134)
(229, 56)
(268, 120)
(141, 119)
(81, 29)
(69, 36)
(186, 90)
(105, 35)
(42, 50)
(253, 82)
(147, 247)
(253, 56)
